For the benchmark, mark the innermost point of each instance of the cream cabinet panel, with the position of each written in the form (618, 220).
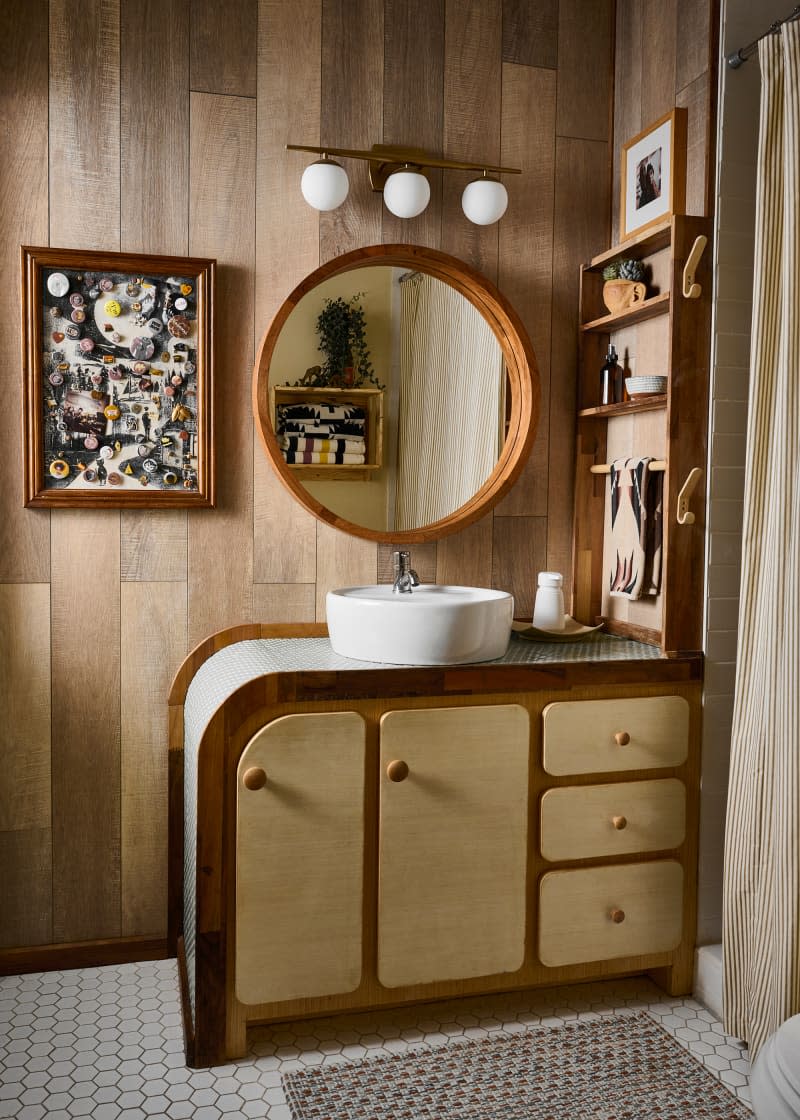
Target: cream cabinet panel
(299, 858)
(580, 822)
(596, 736)
(452, 843)
(599, 913)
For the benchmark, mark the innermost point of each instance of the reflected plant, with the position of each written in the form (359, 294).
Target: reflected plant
(341, 327)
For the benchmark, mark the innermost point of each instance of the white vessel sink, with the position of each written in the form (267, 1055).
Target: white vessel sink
(432, 625)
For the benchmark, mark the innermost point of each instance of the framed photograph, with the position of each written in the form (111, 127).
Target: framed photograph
(653, 174)
(117, 353)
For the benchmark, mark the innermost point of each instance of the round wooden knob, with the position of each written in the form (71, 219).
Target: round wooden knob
(617, 916)
(254, 778)
(622, 738)
(397, 771)
(619, 823)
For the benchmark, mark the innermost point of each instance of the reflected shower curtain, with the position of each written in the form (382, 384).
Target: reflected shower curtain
(761, 908)
(452, 391)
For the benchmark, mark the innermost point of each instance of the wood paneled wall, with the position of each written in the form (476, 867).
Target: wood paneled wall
(161, 128)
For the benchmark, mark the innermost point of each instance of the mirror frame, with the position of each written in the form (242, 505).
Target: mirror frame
(522, 371)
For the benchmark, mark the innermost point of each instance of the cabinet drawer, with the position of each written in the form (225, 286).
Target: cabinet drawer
(595, 736)
(580, 822)
(599, 913)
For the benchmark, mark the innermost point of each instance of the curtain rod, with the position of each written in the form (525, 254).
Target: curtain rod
(736, 59)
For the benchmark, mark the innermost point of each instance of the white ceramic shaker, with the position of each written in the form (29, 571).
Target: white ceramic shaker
(548, 609)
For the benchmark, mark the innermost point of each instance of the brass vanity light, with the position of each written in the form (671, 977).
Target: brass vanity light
(401, 173)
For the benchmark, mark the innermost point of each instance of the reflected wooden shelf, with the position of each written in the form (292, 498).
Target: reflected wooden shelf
(647, 309)
(644, 404)
(370, 400)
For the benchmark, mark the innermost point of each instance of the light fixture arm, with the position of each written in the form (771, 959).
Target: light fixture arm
(383, 159)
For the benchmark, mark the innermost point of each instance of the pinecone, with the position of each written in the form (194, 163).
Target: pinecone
(631, 270)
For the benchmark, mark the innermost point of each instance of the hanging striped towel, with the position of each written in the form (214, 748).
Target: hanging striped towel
(636, 524)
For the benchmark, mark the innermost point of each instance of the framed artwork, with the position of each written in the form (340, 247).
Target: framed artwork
(117, 356)
(653, 174)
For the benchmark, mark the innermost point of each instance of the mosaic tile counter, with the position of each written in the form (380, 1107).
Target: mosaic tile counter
(228, 670)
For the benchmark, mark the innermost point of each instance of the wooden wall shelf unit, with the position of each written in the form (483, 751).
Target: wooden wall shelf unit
(371, 400)
(668, 334)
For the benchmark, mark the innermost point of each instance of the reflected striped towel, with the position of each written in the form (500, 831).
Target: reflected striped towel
(341, 457)
(354, 444)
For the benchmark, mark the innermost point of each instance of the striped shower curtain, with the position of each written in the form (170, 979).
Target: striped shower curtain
(761, 909)
(451, 401)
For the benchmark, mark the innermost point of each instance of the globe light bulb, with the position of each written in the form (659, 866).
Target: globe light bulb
(484, 201)
(324, 184)
(406, 193)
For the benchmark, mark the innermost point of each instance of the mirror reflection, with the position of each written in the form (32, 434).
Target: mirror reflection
(388, 397)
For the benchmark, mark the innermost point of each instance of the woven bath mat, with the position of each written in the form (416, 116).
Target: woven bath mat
(623, 1067)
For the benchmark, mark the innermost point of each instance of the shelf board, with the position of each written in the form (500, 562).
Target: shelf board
(644, 404)
(648, 309)
(640, 245)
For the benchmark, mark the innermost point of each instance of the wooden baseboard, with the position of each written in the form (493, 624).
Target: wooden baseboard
(82, 954)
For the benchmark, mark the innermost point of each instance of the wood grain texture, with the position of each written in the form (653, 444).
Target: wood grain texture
(519, 552)
(526, 249)
(412, 103)
(26, 916)
(223, 47)
(84, 120)
(342, 561)
(694, 39)
(585, 52)
(223, 137)
(659, 44)
(86, 744)
(350, 117)
(25, 689)
(580, 224)
(24, 534)
(696, 99)
(153, 546)
(284, 602)
(629, 77)
(466, 557)
(472, 120)
(284, 534)
(531, 32)
(153, 643)
(423, 561)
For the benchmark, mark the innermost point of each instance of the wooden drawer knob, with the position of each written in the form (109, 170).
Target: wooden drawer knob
(619, 823)
(254, 778)
(617, 916)
(622, 738)
(397, 771)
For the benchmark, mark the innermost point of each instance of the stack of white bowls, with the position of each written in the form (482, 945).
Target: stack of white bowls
(644, 386)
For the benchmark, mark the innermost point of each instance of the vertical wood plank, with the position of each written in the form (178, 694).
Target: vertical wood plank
(286, 110)
(25, 691)
(472, 121)
(284, 602)
(223, 136)
(85, 548)
(531, 32)
(24, 533)
(154, 218)
(351, 112)
(86, 773)
(526, 250)
(412, 103)
(520, 551)
(26, 913)
(696, 98)
(84, 122)
(692, 52)
(224, 38)
(342, 561)
(585, 53)
(659, 41)
(466, 557)
(580, 225)
(153, 630)
(628, 80)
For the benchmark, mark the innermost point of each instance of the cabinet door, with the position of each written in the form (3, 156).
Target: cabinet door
(452, 847)
(299, 858)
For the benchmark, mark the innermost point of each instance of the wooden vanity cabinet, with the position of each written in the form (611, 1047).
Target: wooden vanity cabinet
(383, 837)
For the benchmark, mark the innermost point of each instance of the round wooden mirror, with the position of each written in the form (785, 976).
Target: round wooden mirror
(432, 420)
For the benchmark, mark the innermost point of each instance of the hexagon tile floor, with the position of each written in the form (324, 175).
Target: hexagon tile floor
(106, 1042)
